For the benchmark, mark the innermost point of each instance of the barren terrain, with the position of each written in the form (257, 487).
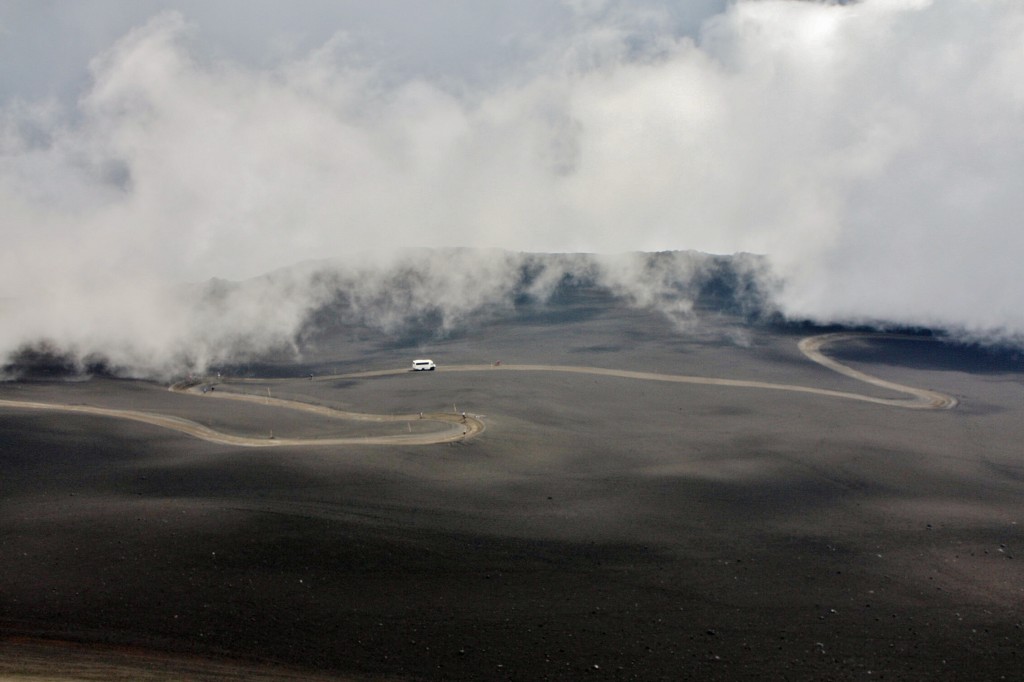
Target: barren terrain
(600, 525)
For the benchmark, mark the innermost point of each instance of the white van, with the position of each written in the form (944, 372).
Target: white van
(421, 365)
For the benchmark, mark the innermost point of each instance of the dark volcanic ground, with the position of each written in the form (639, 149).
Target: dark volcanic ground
(599, 528)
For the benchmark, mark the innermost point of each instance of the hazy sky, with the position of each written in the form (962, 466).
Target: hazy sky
(874, 151)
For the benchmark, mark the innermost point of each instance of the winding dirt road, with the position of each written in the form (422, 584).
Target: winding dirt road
(456, 427)
(921, 398)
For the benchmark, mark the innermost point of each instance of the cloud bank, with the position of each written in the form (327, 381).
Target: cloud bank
(873, 151)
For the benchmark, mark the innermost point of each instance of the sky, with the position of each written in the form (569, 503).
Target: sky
(873, 151)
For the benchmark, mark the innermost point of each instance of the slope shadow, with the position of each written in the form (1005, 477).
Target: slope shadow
(932, 355)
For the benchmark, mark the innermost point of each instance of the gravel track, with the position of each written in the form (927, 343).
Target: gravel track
(456, 427)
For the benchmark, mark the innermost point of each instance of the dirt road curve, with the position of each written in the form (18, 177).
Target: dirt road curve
(455, 427)
(921, 398)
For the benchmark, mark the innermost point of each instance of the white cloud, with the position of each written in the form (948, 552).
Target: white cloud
(873, 151)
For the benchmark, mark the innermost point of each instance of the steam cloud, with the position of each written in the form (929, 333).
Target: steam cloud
(873, 151)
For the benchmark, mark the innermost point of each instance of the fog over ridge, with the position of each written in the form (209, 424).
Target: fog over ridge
(421, 294)
(872, 151)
